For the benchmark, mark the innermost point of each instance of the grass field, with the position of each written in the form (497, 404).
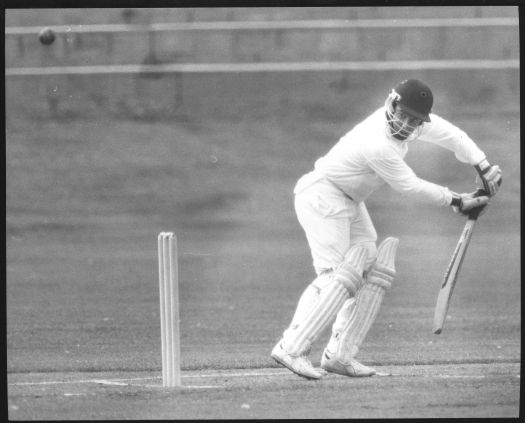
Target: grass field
(86, 199)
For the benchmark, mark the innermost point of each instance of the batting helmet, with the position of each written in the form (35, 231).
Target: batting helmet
(414, 98)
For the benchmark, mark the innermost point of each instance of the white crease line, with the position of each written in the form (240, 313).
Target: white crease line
(121, 381)
(203, 386)
(461, 376)
(50, 382)
(115, 381)
(284, 372)
(109, 382)
(62, 382)
(178, 387)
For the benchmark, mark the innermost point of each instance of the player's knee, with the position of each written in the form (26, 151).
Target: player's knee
(323, 279)
(350, 272)
(383, 270)
(371, 249)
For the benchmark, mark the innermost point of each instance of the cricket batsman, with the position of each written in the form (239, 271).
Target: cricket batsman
(352, 273)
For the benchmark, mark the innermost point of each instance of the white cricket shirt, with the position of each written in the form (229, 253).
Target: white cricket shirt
(367, 157)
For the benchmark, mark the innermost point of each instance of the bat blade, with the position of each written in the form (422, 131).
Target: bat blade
(451, 275)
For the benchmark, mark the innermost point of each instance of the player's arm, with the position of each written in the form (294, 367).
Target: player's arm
(441, 132)
(394, 171)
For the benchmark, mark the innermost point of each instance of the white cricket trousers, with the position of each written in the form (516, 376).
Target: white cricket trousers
(332, 222)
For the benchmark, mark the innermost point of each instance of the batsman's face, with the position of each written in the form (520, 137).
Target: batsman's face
(403, 125)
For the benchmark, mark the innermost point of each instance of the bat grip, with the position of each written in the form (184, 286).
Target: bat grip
(475, 212)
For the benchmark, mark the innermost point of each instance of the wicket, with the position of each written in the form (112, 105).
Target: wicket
(169, 309)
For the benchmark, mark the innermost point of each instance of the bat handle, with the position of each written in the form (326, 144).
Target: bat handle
(475, 212)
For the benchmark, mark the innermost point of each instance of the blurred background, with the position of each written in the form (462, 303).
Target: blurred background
(471, 55)
(200, 121)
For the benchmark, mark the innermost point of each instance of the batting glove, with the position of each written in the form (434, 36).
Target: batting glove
(490, 176)
(466, 202)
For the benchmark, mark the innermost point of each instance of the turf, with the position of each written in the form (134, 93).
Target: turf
(85, 200)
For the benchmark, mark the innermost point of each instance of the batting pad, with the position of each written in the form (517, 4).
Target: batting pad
(368, 301)
(309, 299)
(299, 338)
(333, 292)
(343, 316)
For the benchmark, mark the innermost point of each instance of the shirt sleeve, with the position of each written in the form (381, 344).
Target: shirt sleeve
(441, 132)
(396, 173)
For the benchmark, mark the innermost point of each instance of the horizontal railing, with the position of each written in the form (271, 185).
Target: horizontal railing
(272, 25)
(264, 67)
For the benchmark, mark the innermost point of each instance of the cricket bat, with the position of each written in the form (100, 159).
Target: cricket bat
(451, 274)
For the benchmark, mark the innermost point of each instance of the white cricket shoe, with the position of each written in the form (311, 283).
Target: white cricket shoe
(353, 369)
(297, 364)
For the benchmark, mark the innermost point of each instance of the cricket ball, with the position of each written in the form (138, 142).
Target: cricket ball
(46, 36)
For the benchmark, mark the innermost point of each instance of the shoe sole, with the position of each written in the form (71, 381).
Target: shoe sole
(346, 374)
(282, 363)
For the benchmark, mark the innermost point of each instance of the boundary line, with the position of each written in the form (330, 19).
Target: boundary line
(270, 25)
(264, 67)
